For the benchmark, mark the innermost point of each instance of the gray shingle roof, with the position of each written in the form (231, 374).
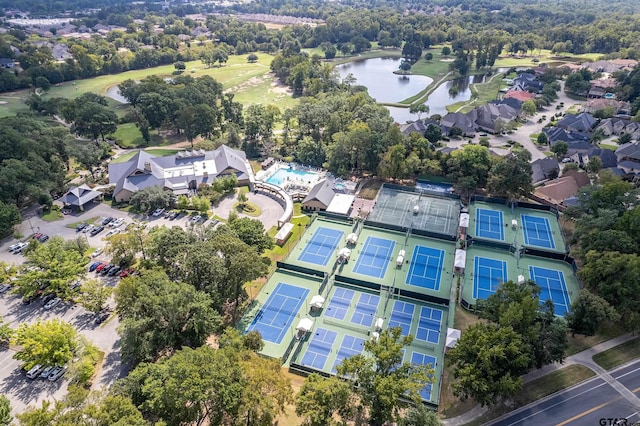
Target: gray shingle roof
(79, 195)
(322, 192)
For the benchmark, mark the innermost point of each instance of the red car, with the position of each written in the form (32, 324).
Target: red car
(101, 267)
(126, 273)
(36, 236)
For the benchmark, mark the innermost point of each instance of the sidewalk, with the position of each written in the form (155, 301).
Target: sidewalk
(583, 358)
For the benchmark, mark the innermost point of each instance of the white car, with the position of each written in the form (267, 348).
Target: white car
(116, 223)
(88, 228)
(46, 372)
(20, 247)
(12, 247)
(158, 212)
(97, 252)
(112, 232)
(57, 373)
(52, 303)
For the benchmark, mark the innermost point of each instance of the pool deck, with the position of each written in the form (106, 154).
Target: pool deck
(515, 236)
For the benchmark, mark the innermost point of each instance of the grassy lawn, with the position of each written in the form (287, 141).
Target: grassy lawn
(481, 93)
(369, 190)
(263, 89)
(161, 152)
(52, 215)
(579, 343)
(618, 355)
(381, 53)
(250, 209)
(608, 146)
(544, 386)
(128, 136)
(450, 405)
(12, 103)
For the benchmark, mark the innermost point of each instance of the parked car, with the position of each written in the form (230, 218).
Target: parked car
(97, 230)
(112, 232)
(97, 252)
(196, 219)
(30, 298)
(12, 247)
(52, 303)
(46, 372)
(36, 236)
(88, 228)
(75, 286)
(100, 267)
(43, 238)
(81, 226)
(106, 269)
(113, 271)
(21, 246)
(4, 288)
(174, 215)
(47, 297)
(101, 317)
(116, 223)
(94, 265)
(106, 220)
(35, 371)
(57, 373)
(126, 273)
(157, 212)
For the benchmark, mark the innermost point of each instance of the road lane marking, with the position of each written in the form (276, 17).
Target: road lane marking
(584, 413)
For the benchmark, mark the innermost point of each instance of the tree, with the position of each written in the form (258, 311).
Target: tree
(87, 154)
(5, 411)
(594, 165)
(53, 265)
(9, 217)
(543, 139)
(489, 362)
(419, 415)
(510, 177)
(93, 295)
(6, 332)
(180, 65)
(160, 316)
(251, 232)
(428, 56)
(320, 399)
(242, 199)
(470, 166)
(589, 312)
(405, 66)
(419, 109)
(252, 58)
(446, 51)
(52, 342)
(433, 133)
(384, 382)
(560, 148)
(529, 107)
(149, 199)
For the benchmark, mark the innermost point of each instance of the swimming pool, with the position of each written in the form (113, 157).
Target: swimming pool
(283, 175)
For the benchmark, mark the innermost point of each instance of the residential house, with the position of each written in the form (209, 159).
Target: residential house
(489, 116)
(465, 122)
(617, 126)
(607, 157)
(418, 126)
(619, 107)
(527, 82)
(511, 101)
(544, 169)
(582, 122)
(562, 191)
(520, 95)
(611, 66)
(629, 158)
(320, 196)
(179, 173)
(556, 134)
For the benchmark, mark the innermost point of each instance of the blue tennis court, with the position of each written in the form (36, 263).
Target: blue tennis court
(429, 325)
(426, 268)
(422, 359)
(402, 316)
(375, 256)
(489, 224)
(321, 246)
(365, 309)
(350, 346)
(275, 317)
(488, 274)
(537, 231)
(552, 286)
(339, 303)
(319, 348)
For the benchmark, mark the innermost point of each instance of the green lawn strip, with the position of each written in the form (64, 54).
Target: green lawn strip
(250, 209)
(539, 388)
(609, 147)
(264, 90)
(579, 343)
(618, 355)
(161, 152)
(369, 54)
(128, 136)
(52, 215)
(481, 93)
(89, 221)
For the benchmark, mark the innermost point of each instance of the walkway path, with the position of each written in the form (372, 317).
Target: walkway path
(583, 358)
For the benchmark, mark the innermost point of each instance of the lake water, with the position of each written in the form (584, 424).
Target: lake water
(114, 93)
(384, 86)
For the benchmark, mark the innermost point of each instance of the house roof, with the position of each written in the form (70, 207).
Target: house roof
(629, 150)
(582, 122)
(322, 192)
(79, 195)
(520, 95)
(633, 165)
(556, 134)
(558, 190)
(607, 157)
(581, 178)
(418, 126)
(6, 61)
(512, 102)
(466, 122)
(541, 169)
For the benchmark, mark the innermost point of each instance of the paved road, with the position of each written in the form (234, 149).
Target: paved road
(585, 404)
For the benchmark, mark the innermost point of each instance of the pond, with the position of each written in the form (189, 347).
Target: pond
(114, 93)
(384, 86)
